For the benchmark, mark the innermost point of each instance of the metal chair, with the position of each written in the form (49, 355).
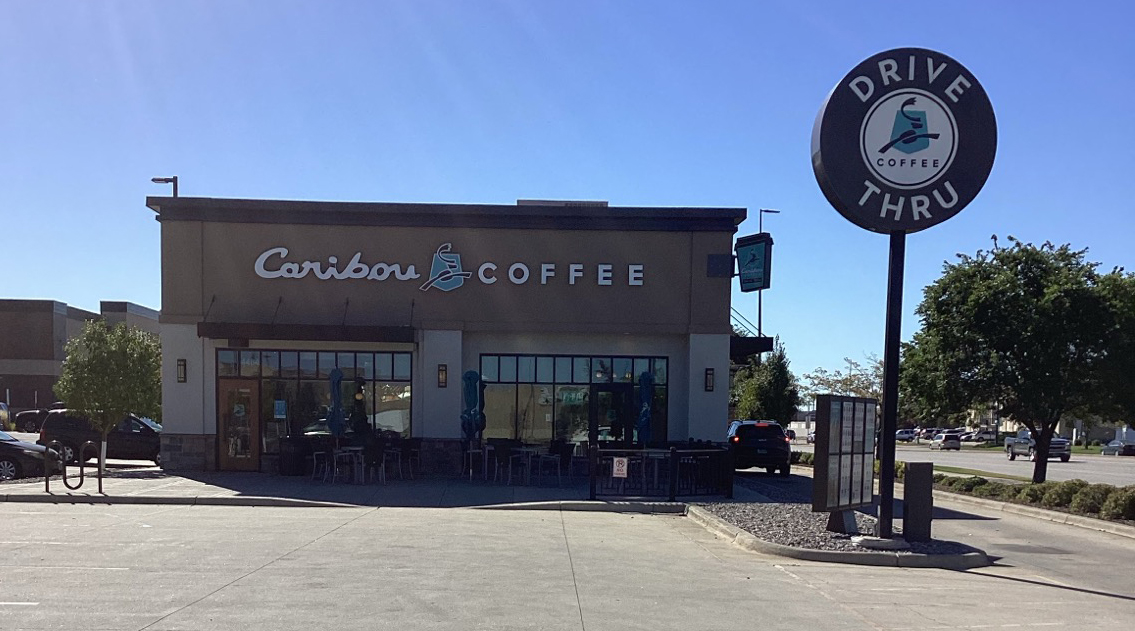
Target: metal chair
(559, 453)
(474, 453)
(320, 463)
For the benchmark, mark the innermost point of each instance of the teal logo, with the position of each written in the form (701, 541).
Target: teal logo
(445, 272)
(910, 133)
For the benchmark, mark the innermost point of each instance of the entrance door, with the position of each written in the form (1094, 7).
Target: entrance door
(611, 413)
(238, 424)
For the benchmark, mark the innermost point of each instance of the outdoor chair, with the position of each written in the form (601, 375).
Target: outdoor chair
(374, 459)
(560, 454)
(474, 454)
(503, 456)
(320, 464)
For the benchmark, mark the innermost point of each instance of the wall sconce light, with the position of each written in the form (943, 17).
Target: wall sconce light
(181, 377)
(709, 380)
(443, 375)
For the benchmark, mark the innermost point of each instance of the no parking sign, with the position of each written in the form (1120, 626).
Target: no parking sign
(620, 468)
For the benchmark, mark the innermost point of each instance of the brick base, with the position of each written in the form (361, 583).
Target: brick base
(189, 452)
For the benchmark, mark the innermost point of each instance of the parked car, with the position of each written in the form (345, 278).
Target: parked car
(905, 435)
(132, 439)
(944, 441)
(811, 438)
(1024, 445)
(1119, 447)
(5, 416)
(760, 444)
(30, 420)
(20, 459)
(790, 433)
(929, 433)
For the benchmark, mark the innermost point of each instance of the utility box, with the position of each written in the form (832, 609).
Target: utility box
(918, 501)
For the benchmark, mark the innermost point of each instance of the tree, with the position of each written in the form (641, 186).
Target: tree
(767, 390)
(110, 372)
(1024, 326)
(858, 381)
(1117, 371)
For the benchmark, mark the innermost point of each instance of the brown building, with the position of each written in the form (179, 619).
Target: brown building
(33, 334)
(560, 308)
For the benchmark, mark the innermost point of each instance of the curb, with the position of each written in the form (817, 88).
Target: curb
(739, 537)
(649, 508)
(1088, 523)
(250, 500)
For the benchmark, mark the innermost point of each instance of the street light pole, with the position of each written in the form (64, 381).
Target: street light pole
(166, 180)
(761, 292)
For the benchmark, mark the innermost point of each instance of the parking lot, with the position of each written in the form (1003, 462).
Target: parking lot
(203, 568)
(1119, 471)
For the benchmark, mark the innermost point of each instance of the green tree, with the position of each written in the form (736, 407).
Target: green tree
(1024, 326)
(767, 390)
(1117, 371)
(858, 380)
(110, 372)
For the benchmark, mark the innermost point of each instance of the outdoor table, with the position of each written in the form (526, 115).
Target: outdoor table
(527, 451)
(358, 467)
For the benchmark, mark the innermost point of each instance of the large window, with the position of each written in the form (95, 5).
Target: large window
(536, 398)
(295, 388)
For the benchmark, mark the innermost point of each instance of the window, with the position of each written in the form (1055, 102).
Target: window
(295, 388)
(538, 398)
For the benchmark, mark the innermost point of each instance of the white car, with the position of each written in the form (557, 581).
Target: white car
(946, 441)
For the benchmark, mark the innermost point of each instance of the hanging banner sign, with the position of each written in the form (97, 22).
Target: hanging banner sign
(754, 261)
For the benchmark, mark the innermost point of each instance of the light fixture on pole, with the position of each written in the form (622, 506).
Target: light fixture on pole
(760, 293)
(166, 180)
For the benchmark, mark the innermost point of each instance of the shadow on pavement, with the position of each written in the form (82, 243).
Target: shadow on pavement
(1017, 579)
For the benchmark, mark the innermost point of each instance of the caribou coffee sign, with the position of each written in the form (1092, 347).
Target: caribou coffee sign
(446, 272)
(904, 141)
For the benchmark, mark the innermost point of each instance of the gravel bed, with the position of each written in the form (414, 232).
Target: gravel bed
(788, 520)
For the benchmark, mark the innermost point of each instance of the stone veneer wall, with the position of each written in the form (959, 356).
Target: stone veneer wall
(189, 452)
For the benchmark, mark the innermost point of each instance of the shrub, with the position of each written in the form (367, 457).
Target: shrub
(939, 478)
(991, 490)
(1078, 442)
(805, 458)
(1060, 494)
(1090, 499)
(1033, 493)
(967, 485)
(1120, 504)
(1096, 443)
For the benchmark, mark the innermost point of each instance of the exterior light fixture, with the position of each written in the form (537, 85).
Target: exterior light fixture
(443, 375)
(181, 377)
(709, 380)
(166, 180)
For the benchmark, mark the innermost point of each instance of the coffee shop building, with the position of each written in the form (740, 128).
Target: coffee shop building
(560, 307)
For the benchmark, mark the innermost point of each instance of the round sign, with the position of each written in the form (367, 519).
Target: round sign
(905, 141)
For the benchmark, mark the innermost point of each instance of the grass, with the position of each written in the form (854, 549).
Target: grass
(1086, 450)
(978, 472)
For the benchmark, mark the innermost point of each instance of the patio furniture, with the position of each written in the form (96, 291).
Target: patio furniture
(320, 464)
(508, 454)
(475, 451)
(560, 454)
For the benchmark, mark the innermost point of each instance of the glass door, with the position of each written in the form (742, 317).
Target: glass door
(238, 424)
(611, 414)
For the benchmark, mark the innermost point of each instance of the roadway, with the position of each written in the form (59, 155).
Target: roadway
(1119, 471)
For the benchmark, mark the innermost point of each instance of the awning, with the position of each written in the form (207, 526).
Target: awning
(307, 332)
(742, 348)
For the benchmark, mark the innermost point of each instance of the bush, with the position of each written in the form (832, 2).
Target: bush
(805, 458)
(1079, 442)
(967, 485)
(939, 478)
(991, 490)
(1090, 499)
(1120, 504)
(1096, 443)
(1060, 494)
(1033, 493)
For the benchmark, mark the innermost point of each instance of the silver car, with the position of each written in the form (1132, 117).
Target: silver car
(946, 441)
(1120, 447)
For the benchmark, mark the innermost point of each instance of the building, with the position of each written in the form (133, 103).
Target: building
(561, 308)
(33, 334)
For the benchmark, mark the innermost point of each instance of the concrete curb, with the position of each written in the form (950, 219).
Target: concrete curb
(1089, 523)
(739, 537)
(648, 508)
(248, 500)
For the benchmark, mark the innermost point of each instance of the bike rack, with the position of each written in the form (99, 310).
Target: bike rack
(50, 464)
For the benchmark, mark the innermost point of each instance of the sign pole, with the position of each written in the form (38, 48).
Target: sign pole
(891, 385)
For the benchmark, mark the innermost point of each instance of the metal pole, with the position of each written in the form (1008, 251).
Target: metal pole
(891, 385)
(175, 186)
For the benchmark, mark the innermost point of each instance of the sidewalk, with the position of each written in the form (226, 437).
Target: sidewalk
(151, 485)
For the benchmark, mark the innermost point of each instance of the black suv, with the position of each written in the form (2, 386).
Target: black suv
(132, 439)
(29, 420)
(760, 444)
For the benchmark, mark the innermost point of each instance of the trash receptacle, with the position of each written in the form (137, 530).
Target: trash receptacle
(291, 456)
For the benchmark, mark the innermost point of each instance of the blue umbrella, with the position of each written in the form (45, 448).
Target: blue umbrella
(471, 395)
(646, 399)
(335, 418)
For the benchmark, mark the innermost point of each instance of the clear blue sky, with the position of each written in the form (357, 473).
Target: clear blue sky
(639, 103)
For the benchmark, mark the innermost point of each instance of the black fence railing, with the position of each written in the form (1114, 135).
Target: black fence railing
(661, 473)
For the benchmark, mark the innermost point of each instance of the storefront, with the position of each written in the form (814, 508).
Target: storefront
(560, 308)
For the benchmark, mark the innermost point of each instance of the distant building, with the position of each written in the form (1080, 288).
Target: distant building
(33, 334)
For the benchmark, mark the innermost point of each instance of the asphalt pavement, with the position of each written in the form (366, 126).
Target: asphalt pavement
(1119, 471)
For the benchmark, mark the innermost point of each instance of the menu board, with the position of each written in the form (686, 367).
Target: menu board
(845, 447)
